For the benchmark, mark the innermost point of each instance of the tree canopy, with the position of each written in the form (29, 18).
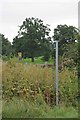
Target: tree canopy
(6, 46)
(65, 35)
(33, 38)
(68, 44)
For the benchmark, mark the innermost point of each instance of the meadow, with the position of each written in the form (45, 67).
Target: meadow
(29, 91)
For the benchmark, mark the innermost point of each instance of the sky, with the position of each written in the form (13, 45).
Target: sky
(52, 12)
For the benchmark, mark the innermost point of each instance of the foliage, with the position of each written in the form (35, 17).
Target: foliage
(6, 46)
(19, 108)
(68, 81)
(27, 81)
(65, 35)
(71, 53)
(78, 65)
(33, 38)
(46, 56)
(68, 44)
(78, 61)
(69, 59)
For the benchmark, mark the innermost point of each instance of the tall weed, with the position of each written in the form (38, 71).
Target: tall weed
(27, 81)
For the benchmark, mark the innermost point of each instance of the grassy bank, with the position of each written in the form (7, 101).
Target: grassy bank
(17, 108)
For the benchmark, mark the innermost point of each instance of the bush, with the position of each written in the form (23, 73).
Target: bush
(46, 56)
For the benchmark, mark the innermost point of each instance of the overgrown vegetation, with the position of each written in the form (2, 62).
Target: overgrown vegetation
(36, 85)
(19, 108)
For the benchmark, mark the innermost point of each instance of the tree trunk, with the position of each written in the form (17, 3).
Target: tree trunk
(32, 59)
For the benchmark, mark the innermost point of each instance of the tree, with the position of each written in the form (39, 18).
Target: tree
(32, 38)
(6, 46)
(65, 35)
(0, 45)
(78, 60)
(47, 50)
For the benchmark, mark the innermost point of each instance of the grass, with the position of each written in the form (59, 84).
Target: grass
(18, 108)
(37, 60)
(63, 112)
